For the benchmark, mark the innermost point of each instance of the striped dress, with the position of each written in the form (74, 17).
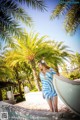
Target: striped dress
(47, 84)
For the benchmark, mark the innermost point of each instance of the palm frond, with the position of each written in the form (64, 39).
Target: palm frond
(34, 47)
(39, 4)
(72, 20)
(13, 10)
(72, 13)
(10, 14)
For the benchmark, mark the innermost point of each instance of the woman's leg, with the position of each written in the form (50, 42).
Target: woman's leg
(50, 104)
(55, 103)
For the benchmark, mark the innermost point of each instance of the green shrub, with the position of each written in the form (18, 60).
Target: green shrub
(34, 89)
(74, 75)
(19, 99)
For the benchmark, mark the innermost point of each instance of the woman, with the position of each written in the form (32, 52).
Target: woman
(49, 93)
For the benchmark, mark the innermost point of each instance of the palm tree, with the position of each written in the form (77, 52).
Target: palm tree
(21, 74)
(12, 13)
(5, 73)
(62, 53)
(4, 70)
(71, 10)
(27, 76)
(31, 49)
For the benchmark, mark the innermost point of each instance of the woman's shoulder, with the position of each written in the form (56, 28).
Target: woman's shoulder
(41, 74)
(52, 71)
(51, 68)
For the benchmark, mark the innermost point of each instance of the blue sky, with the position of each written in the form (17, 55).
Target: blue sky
(53, 28)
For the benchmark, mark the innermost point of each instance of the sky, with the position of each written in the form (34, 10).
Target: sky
(53, 28)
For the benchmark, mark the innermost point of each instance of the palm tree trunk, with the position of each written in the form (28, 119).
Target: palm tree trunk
(36, 78)
(0, 95)
(30, 83)
(20, 91)
(19, 84)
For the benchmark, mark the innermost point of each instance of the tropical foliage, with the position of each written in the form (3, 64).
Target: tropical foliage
(5, 72)
(12, 13)
(20, 56)
(71, 10)
(73, 72)
(74, 75)
(75, 60)
(31, 49)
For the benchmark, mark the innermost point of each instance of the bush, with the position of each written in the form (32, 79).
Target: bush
(19, 99)
(74, 75)
(34, 89)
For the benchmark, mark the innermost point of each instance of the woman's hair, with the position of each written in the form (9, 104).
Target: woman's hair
(43, 63)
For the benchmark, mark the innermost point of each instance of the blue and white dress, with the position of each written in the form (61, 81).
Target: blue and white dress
(47, 84)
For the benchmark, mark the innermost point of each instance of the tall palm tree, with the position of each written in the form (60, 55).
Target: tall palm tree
(71, 10)
(63, 54)
(31, 49)
(12, 13)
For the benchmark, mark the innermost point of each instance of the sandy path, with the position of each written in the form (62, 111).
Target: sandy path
(34, 100)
